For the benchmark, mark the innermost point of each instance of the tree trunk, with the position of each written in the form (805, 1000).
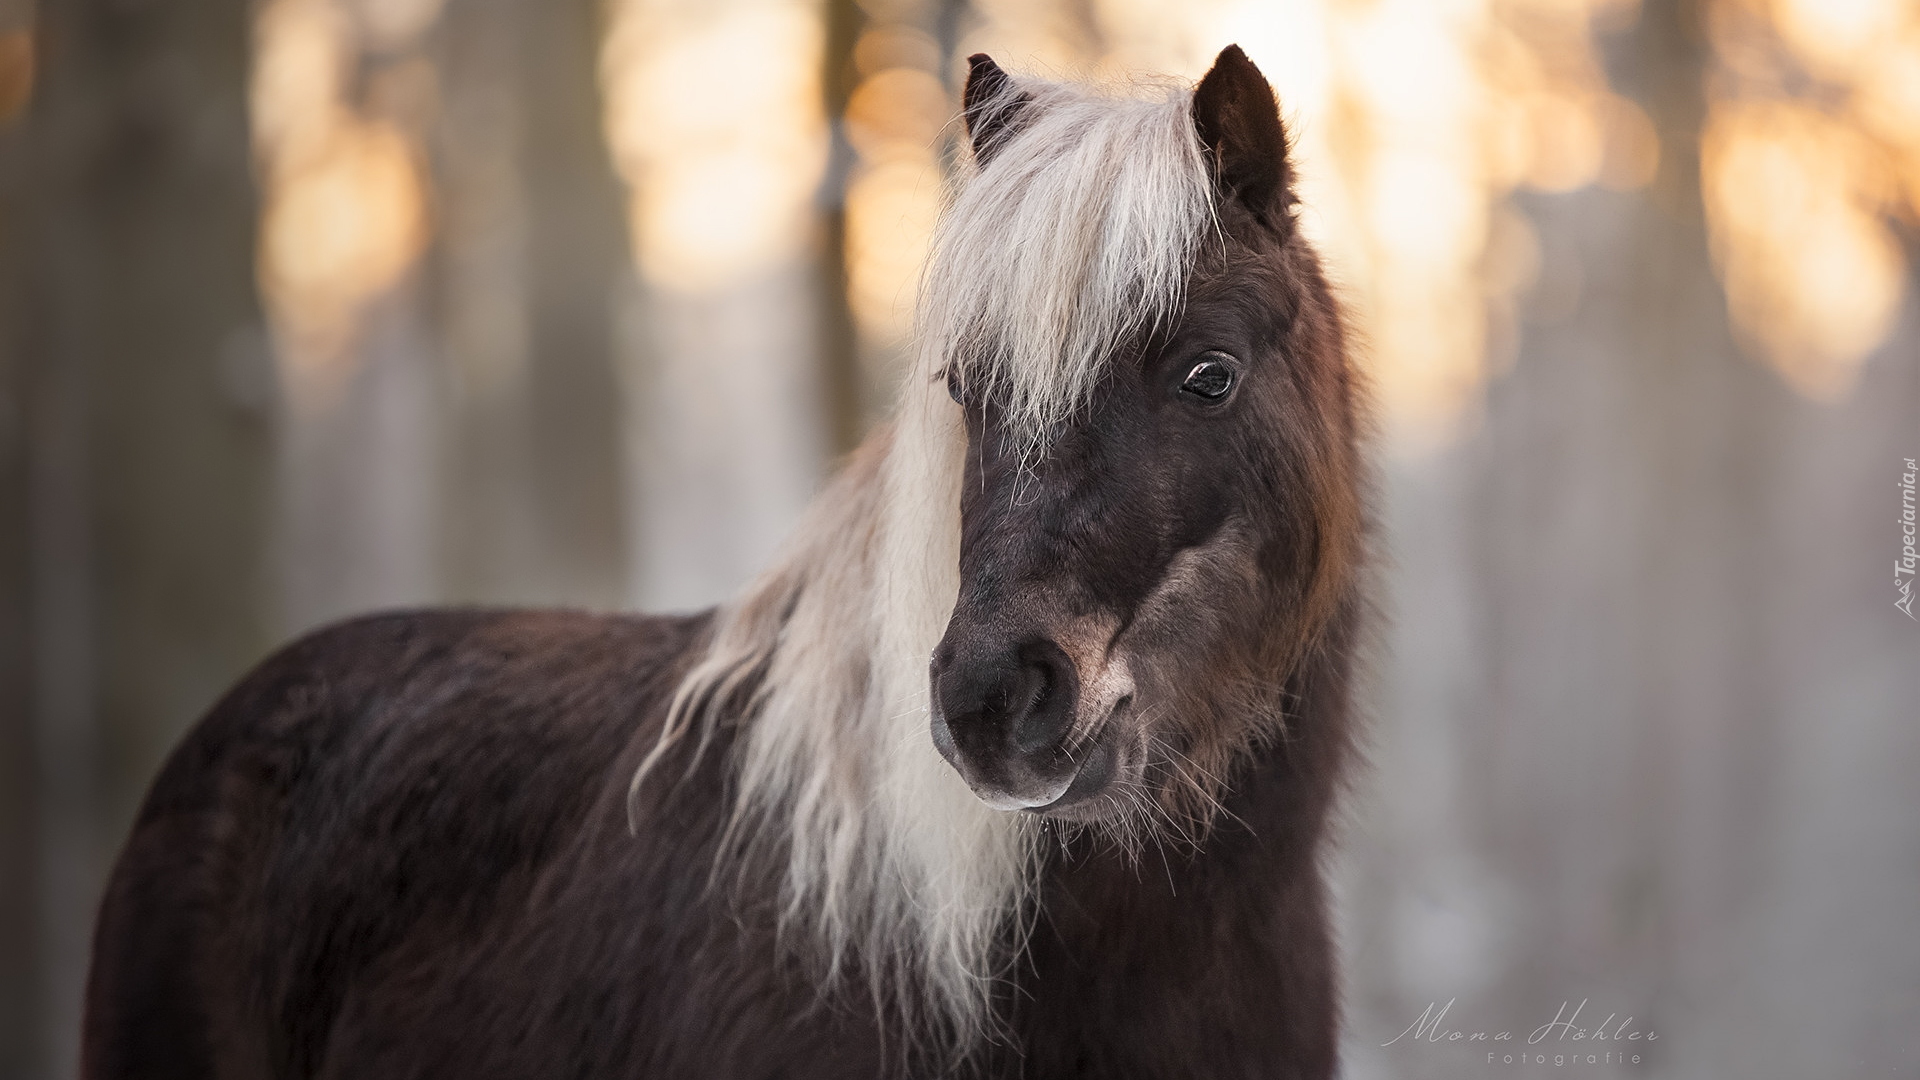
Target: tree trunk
(144, 418)
(526, 275)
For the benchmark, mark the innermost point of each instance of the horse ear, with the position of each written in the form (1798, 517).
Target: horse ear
(995, 108)
(1239, 123)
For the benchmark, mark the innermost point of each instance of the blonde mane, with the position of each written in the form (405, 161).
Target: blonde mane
(1081, 234)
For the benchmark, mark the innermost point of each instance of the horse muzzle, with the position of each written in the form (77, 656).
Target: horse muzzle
(1014, 717)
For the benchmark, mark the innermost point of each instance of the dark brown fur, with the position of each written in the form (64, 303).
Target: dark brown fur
(400, 847)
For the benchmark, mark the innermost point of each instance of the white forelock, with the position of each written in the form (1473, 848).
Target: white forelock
(1079, 234)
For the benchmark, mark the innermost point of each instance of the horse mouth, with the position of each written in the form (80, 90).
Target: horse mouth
(1093, 775)
(1074, 793)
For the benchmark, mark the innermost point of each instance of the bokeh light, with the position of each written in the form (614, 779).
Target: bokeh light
(901, 129)
(1811, 153)
(344, 193)
(16, 73)
(714, 117)
(895, 121)
(1414, 121)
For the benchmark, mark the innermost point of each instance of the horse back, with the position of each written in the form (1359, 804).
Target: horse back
(358, 817)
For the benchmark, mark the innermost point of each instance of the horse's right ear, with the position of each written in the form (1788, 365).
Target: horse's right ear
(996, 109)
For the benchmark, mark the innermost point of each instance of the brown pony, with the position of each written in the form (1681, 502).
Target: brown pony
(1018, 763)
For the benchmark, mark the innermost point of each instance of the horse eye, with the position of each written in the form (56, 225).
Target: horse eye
(1210, 379)
(953, 386)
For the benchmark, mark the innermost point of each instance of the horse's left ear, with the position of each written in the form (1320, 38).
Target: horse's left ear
(996, 109)
(1239, 123)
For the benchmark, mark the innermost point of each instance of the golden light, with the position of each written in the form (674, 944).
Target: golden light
(1801, 187)
(1566, 142)
(1829, 36)
(899, 117)
(391, 25)
(1886, 103)
(891, 209)
(301, 55)
(344, 197)
(1631, 157)
(713, 115)
(1413, 122)
(341, 229)
(16, 73)
(1813, 277)
(894, 122)
(1451, 109)
(897, 108)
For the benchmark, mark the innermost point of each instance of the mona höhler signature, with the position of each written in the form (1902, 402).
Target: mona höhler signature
(1623, 1040)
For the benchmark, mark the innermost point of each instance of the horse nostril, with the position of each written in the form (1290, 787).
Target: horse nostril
(942, 735)
(1038, 717)
(1019, 702)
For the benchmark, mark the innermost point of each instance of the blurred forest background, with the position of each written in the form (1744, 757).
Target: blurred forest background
(315, 306)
